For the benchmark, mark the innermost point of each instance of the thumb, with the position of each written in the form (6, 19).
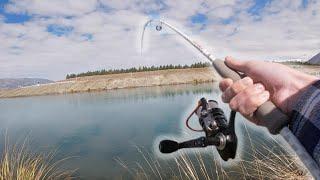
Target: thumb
(236, 64)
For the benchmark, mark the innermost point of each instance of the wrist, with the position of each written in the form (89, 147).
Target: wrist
(303, 80)
(300, 83)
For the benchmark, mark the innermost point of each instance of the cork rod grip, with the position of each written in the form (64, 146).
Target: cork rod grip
(268, 115)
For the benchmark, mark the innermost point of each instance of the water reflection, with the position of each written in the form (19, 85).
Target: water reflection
(99, 128)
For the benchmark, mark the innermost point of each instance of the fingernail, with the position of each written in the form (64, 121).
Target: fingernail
(259, 87)
(228, 58)
(265, 95)
(247, 81)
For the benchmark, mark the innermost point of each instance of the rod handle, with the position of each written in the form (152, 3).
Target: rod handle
(268, 115)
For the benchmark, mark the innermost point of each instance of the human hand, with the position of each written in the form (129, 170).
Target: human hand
(265, 81)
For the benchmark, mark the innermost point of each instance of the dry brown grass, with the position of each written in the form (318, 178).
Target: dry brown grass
(20, 163)
(129, 80)
(308, 69)
(116, 81)
(262, 160)
(271, 159)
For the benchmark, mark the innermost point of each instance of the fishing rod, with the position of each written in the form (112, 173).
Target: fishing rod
(268, 114)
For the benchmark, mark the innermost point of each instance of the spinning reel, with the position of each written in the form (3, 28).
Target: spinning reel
(218, 131)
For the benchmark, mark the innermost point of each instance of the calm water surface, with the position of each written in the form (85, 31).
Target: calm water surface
(98, 128)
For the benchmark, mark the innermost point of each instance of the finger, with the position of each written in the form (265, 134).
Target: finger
(251, 98)
(236, 64)
(259, 100)
(237, 103)
(253, 103)
(236, 88)
(225, 83)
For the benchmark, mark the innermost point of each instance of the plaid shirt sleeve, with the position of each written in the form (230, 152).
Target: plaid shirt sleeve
(305, 120)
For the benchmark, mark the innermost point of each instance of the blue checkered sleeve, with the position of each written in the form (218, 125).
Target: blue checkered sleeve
(305, 120)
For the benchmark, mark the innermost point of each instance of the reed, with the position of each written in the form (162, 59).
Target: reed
(265, 158)
(18, 162)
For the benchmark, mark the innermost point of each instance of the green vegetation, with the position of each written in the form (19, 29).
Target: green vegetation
(139, 69)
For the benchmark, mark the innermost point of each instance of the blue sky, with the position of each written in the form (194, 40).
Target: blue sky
(255, 9)
(258, 7)
(13, 17)
(52, 38)
(59, 30)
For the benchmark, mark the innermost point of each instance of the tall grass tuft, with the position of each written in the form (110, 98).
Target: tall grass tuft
(18, 162)
(261, 158)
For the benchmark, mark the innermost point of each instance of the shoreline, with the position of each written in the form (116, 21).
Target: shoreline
(116, 81)
(130, 80)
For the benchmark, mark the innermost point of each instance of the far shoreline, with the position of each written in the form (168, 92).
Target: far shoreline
(131, 80)
(116, 81)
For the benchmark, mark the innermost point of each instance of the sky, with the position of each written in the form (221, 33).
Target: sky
(52, 38)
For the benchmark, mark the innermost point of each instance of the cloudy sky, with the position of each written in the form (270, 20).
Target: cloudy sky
(50, 38)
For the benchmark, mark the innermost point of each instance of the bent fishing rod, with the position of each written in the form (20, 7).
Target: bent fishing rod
(268, 115)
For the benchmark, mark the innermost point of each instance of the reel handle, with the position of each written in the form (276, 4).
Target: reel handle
(268, 114)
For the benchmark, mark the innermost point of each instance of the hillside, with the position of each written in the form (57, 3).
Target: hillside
(11, 83)
(315, 59)
(131, 80)
(116, 81)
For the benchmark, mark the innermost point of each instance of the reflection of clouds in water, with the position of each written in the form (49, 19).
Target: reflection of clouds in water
(136, 94)
(79, 138)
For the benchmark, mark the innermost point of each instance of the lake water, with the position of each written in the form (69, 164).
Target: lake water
(104, 132)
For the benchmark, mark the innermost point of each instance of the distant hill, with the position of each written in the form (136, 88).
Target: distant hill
(315, 59)
(11, 83)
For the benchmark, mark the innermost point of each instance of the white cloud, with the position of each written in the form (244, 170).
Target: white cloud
(135, 5)
(221, 12)
(52, 7)
(284, 30)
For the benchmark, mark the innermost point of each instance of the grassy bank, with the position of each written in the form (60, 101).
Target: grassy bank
(308, 69)
(116, 81)
(131, 80)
